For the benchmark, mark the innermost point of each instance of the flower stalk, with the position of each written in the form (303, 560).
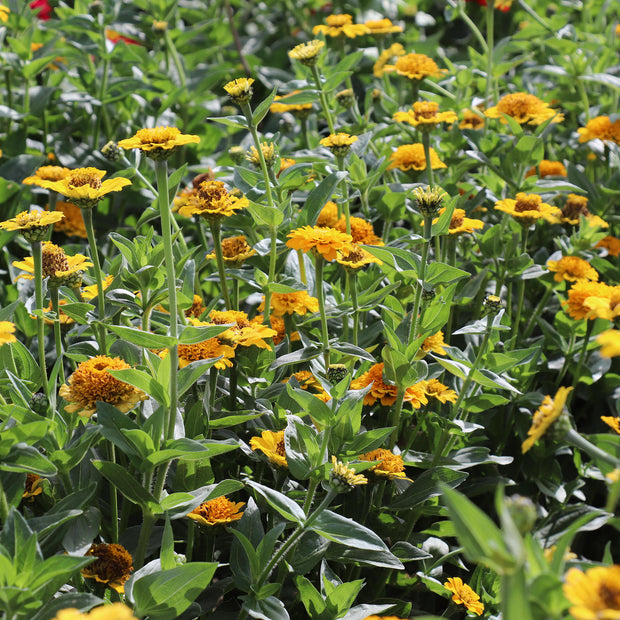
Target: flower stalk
(37, 257)
(320, 295)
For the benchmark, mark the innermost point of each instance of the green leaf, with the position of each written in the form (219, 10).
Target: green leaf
(230, 121)
(25, 458)
(144, 382)
(311, 405)
(141, 338)
(302, 449)
(81, 601)
(268, 216)
(482, 402)
(289, 509)
(441, 273)
(189, 450)
(310, 597)
(303, 355)
(318, 198)
(191, 334)
(167, 547)
(427, 486)
(262, 109)
(167, 594)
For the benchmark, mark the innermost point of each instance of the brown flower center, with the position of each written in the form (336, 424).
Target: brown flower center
(234, 246)
(280, 451)
(113, 562)
(80, 179)
(575, 207)
(610, 595)
(54, 259)
(211, 192)
(425, 110)
(457, 221)
(527, 203)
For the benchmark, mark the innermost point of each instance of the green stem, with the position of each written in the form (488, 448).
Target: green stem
(528, 9)
(57, 331)
(113, 497)
(323, 99)
(577, 440)
(413, 326)
(302, 267)
(426, 142)
(567, 358)
(217, 245)
(520, 293)
(345, 196)
(490, 21)
(37, 257)
(87, 215)
(460, 8)
(148, 520)
(175, 58)
(396, 414)
(51, 206)
(584, 351)
(320, 295)
(352, 277)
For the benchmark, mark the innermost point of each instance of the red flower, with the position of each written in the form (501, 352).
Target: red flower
(45, 9)
(502, 5)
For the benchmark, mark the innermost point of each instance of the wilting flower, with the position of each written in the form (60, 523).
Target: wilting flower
(362, 230)
(114, 611)
(527, 208)
(307, 53)
(415, 67)
(390, 465)
(298, 302)
(601, 128)
(610, 343)
(338, 25)
(84, 187)
(464, 595)
(307, 381)
(343, 479)
(411, 157)
(235, 251)
(379, 27)
(355, 257)
(338, 143)
(279, 106)
(524, 108)
(323, 241)
(240, 90)
(271, 444)
(158, 143)
(62, 270)
(612, 421)
(548, 412)
(33, 225)
(112, 566)
(33, 486)
(47, 173)
(471, 120)
(459, 224)
(212, 201)
(388, 55)
(435, 389)
(91, 382)
(72, 224)
(595, 593)
(547, 168)
(611, 244)
(7, 332)
(217, 511)
(572, 269)
(424, 115)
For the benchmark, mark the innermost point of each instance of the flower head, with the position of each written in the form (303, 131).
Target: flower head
(240, 90)
(425, 115)
(72, 224)
(84, 187)
(609, 340)
(611, 244)
(387, 56)
(269, 155)
(591, 300)
(415, 67)
(298, 302)
(235, 251)
(411, 157)
(243, 332)
(379, 391)
(279, 106)
(217, 511)
(33, 486)
(323, 241)
(601, 128)
(343, 479)
(574, 208)
(362, 230)
(47, 173)
(464, 595)
(328, 215)
(307, 53)
(4, 13)
(548, 412)
(547, 168)
(526, 109)
(338, 25)
(459, 224)
(112, 566)
(595, 593)
(158, 143)
(471, 120)
(277, 323)
(114, 611)
(271, 444)
(90, 292)
(91, 382)
(33, 225)
(390, 465)
(338, 143)
(380, 27)
(435, 344)
(355, 257)
(428, 200)
(527, 208)
(572, 269)
(435, 389)
(7, 332)
(212, 201)
(416, 394)
(307, 381)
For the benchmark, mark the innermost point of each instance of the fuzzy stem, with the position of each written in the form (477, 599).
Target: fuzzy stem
(323, 99)
(217, 245)
(320, 295)
(413, 326)
(426, 142)
(57, 332)
(37, 258)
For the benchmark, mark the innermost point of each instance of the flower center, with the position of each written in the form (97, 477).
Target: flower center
(425, 110)
(527, 203)
(211, 192)
(457, 220)
(84, 178)
(158, 135)
(234, 246)
(610, 595)
(338, 20)
(280, 451)
(575, 207)
(54, 259)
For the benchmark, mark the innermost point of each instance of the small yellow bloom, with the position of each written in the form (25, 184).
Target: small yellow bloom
(415, 67)
(379, 27)
(90, 292)
(240, 90)
(344, 479)
(464, 595)
(244, 332)
(411, 157)
(610, 343)
(527, 208)
(380, 391)
(526, 109)
(158, 143)
(600, 128)
(595, 593)
(547, 168)
(269, 154)
(271, 444)
(435, 344)
(471, 120)
(355, 257)
(212, 201)
(112, 566)
(328, 217)
(425, 115)
(279, 106)
(338, 25)
(298, 302)
(574, 208)
(7, 331)
(307, 53)
(572, 269)
(217, 511)
(34, 225)
(4, 13)
(114, 611)
(435, 389)
(459, 224)
(338, 143)
(206, 350)
(323, 241)
(307, 381)
(362, 230)
(548, 412)
(47, 173)
(235, 251)
(416, 394)
(84, 187)
(390, 465)
(72, 224)
(387, 56)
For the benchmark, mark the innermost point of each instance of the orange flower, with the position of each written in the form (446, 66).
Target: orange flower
(611, 244)
(362, 231)
(380, 391)
(601, 128)
(328, 215)
(464, 595)
(394, 51)
(435, 343)
(323, 241)
(298, 302)
(47, 173)
(524, 108)
(572, 269)
(411, 157)
(544, 417)
(112, 566)
(217, 511)
(547, 168)
(415, 67)
(390, 465)
(580, 298)
(471, 120)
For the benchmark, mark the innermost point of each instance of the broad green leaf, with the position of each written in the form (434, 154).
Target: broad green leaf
(127, 485)
(318, 198)
(262, 109)
(141, 338)
(142, 381)
(426, 486)
(288, 508)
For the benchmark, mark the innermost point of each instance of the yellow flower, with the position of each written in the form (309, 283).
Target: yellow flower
(547, 168)
(115, 611)
(298, 302)
(272, 445)
(344, 479)
(340, 25)
(206, 350)
(572, 269)
(601, 128)
(388, 55)
(612, 421)
(575, 207)
(435, 344)
(355, 257)
(527, 208)
(416, 394)
(323, 241)
(595, 593)
(307, 53)
(338, 143)
(72, 224)
(328, 215)
(279, 106)
(235, 251)
(84, 188)
(47, 173)
(471, 120)
(307, 381)
(62, 270)
(278, 324)
(610, 343)
(611, 244)
(158, 143)
(212, 201)
(362, 231)
(197, 308)
(112, 566)
(217, 511)
(380, 391)
(425, 115)
(549, 552)
(33, 486)
(464, 595)
(581, 297)
(526, 109)
(90, 292)
(459, 224)
(240, 90)
(390, 465)
(34, 225)
(91, 382)
(381, 26)
(548, 412)
(415, 67)
(435, 389)
(4, 13)
(244, 333)
(411, 157)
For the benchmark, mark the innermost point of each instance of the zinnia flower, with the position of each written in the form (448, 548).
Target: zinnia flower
(471, 120)
(416, 394)
(388, 55)
(338, 143)
(328, 215)
(112, 566)
(307, 53)
(217, 511)
(355, 257)
(33, 225)
(4, 13)
(595, 593)
(158, 143)
(611, 244)
(464, 595)
(411, 157)
(206, 350)
(91, 382)
(548, 412)
(415, 67)
(271, 444)
(244, 332)
(459, 224)
(380, 391)
(572, 269)
(47, 173)
(574, 208)
(338, 25)
(343, 479)
(197, 309)
(610, 343)
(435, 344)
(612, 421)
(379, 27)
(390, 465)
(240, 90)
(425, 115)
(362, 231)
(33, 486)
(526, 109)
(601, 128)
(7, 331)
(84, 187)
(527, 208)
(547, 168)
(72, 224)
(435, 389)
(298, 302)
(277, 323)
(235, 251)
(114, 611)
(592, 300)
(212, 201)
(307, 381)
(323, 241)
